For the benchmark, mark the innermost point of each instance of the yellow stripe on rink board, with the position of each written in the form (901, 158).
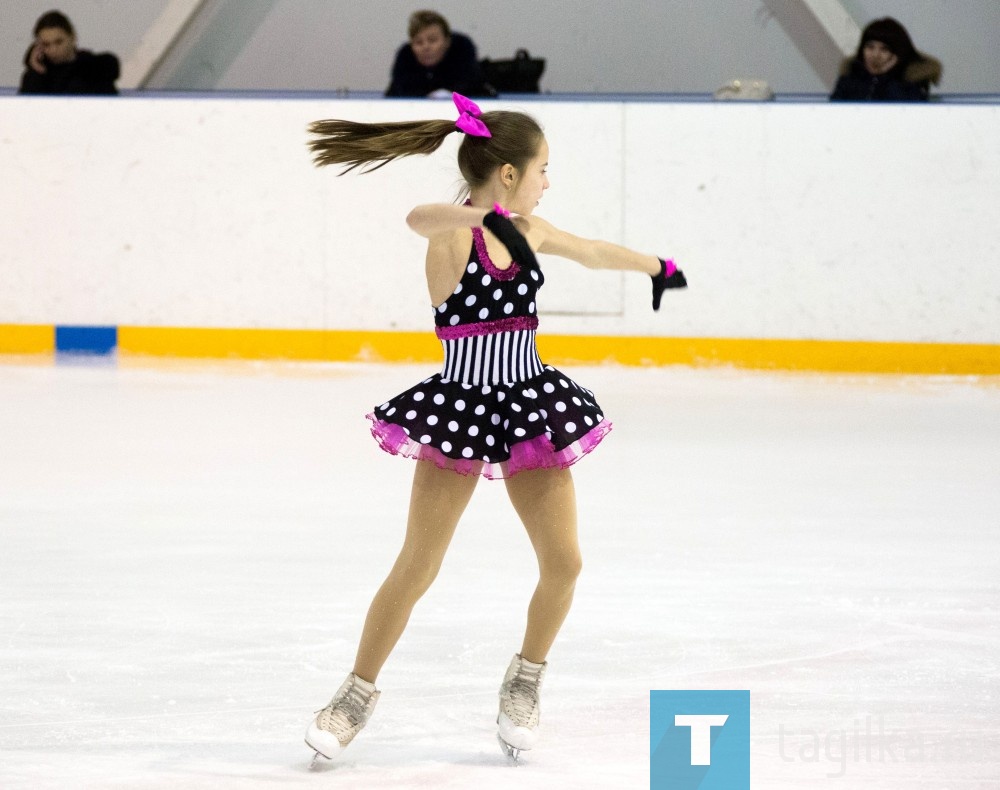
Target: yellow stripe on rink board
(336, 345)
(761, 354)
(289, 344)
(27, 338)
(830, 356)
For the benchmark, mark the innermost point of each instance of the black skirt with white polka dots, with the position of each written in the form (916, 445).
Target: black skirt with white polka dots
(495, 409)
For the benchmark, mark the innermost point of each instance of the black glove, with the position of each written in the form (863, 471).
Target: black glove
(669, 277)
(505, 230)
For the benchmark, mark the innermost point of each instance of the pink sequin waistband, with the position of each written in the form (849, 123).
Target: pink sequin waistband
(515, 323)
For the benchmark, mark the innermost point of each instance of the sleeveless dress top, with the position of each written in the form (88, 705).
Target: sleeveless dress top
(494, 409)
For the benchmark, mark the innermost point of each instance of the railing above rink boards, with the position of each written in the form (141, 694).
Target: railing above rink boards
(694, 98)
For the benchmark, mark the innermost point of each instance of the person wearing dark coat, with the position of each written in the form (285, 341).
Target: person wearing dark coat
(887, 67)
(436, 61)
(53, 64)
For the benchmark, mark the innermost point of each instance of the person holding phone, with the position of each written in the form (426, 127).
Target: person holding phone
(53, 65)
(886, 67)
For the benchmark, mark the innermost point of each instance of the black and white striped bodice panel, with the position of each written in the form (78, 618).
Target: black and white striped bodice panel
(487, 326)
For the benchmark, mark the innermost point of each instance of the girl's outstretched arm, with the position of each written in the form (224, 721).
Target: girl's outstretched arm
(592, 253)
(596, 254)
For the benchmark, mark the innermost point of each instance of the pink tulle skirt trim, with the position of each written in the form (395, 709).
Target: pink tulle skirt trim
(536, 453)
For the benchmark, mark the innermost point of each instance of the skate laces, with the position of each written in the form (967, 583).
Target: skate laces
(348, 709)
(521, 694)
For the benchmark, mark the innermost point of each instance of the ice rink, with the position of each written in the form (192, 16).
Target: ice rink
(187, 551)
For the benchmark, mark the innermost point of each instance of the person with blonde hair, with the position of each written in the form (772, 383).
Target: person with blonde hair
(495, 410)
(436, 61)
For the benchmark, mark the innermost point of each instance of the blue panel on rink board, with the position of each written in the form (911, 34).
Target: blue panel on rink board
(86, 339)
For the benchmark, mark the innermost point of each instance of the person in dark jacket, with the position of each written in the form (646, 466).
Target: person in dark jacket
(887, 67)
(436, 61)
(53, 64)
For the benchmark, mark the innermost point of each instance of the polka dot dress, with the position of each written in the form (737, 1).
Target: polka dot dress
(495, 409)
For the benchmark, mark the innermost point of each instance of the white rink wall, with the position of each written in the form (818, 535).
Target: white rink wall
(791, 221)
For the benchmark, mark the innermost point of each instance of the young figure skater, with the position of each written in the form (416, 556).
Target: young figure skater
(495, 409)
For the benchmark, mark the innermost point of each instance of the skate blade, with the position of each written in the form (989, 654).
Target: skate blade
(512, 753)
(318, 759)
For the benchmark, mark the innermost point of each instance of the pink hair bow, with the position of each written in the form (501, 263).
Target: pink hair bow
(468, 117)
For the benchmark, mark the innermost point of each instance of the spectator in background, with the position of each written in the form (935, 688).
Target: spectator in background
(53, 64)
(887, 67)
(436, 61)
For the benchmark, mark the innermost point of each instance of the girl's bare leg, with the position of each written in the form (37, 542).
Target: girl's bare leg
(437, 501)
(545, 500)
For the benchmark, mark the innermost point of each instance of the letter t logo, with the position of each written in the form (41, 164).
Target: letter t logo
(701, 734)
(699, 739)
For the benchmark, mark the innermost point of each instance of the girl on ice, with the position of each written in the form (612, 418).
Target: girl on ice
(495, 410)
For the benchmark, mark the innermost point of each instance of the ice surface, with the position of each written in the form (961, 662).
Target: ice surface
(187, 552)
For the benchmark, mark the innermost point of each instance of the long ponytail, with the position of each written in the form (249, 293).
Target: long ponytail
(373, 145)
(515, 138)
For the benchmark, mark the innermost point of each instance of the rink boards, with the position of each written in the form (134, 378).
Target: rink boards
(197, 226)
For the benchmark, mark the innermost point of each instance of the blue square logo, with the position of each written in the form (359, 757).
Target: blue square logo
(699, 740)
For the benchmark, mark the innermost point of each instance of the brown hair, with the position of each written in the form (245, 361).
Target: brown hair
(421, 19)
(515, 140)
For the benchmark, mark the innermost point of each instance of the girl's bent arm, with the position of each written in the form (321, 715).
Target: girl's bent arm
(433, 219)
(592, 253)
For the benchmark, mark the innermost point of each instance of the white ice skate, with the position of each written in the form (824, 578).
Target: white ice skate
(348, 712)
(517, 721)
